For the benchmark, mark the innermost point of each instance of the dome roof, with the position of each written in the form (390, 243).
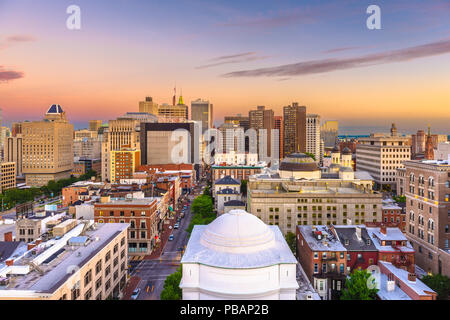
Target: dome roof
(298, 162)
(336, 149)
(238, 232)
(298, 156)
(54, 109)
(347, 151)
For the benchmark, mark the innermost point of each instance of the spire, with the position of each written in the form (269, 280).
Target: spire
(174, 99)
(180, 100)
(429, 130)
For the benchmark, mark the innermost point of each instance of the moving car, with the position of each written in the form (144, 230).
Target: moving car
(171, 237)
(135, 294)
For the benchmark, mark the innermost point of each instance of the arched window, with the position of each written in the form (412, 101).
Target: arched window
(430, 182)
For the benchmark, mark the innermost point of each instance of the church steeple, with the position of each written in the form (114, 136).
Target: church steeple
(429, 151)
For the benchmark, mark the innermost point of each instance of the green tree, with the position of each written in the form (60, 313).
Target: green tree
(440, 284)
(207, 191)
(171, 289)
(311, 155)
(202, 211)
(356, 287)
(244, 187)
(290, 239)
(400, 199)
(202, 205)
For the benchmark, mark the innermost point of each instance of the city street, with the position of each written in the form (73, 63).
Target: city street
(153, 272)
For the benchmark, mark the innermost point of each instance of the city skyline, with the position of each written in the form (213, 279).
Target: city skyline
(231, 54)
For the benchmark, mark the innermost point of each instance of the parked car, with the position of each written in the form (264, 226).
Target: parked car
(171, 237)
(176, 226)
(135, 294)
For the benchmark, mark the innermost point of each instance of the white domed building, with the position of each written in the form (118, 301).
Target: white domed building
(237, 256)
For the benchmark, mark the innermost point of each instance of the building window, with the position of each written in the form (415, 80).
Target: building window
(98, 267)
(108, 256)
(98, 284)
(87, 277)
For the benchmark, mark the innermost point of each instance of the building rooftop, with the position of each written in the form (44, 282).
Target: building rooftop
(237, 240)
(417, 286)
(351, 241)
(396, 294)
(131, 201)
(327, 242)
(55, 108)
(227, 180)
(55, 257)
(234, 203)
(7, 249)
(392, 234)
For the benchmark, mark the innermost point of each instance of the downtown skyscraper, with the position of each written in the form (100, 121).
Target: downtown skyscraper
(294, 129)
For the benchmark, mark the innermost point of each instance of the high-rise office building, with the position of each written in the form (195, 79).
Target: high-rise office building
(157, 143)
(13, 152)
(381, 155)
(262, 118)
(148, 106)
(47, 148)
(313, 136)
(294, 129)
(240, 120)
(94, 125)
(202, 111)
(8, 175)
(120, 133)
(16, 128)
(329, 133)
(124, 163)
(279, 126)
(233, 138)
(124, 131)
(173, 113)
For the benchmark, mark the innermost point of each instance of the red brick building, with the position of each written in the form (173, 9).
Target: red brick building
(393, 215)
(323, 258)
(393, 247)
(236, 172)
(403, 285)
(186, 172)
(141, 214)
(71, 194)
(361, 251)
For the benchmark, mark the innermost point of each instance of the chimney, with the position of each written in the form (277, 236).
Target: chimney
(390, 285)
(411, 277)
(31, 246)
(9, 262)
(358, 232)
(8, 237)
(383, 229)
(38, 241)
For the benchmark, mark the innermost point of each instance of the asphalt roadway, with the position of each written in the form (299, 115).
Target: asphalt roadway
(154, 272)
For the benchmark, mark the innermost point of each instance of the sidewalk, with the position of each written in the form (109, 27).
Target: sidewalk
(131, 285)
(164, 237)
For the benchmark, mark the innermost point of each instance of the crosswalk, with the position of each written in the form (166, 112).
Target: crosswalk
(136, 258)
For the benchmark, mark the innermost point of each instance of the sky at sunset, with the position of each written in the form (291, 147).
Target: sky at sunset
(237, 54)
